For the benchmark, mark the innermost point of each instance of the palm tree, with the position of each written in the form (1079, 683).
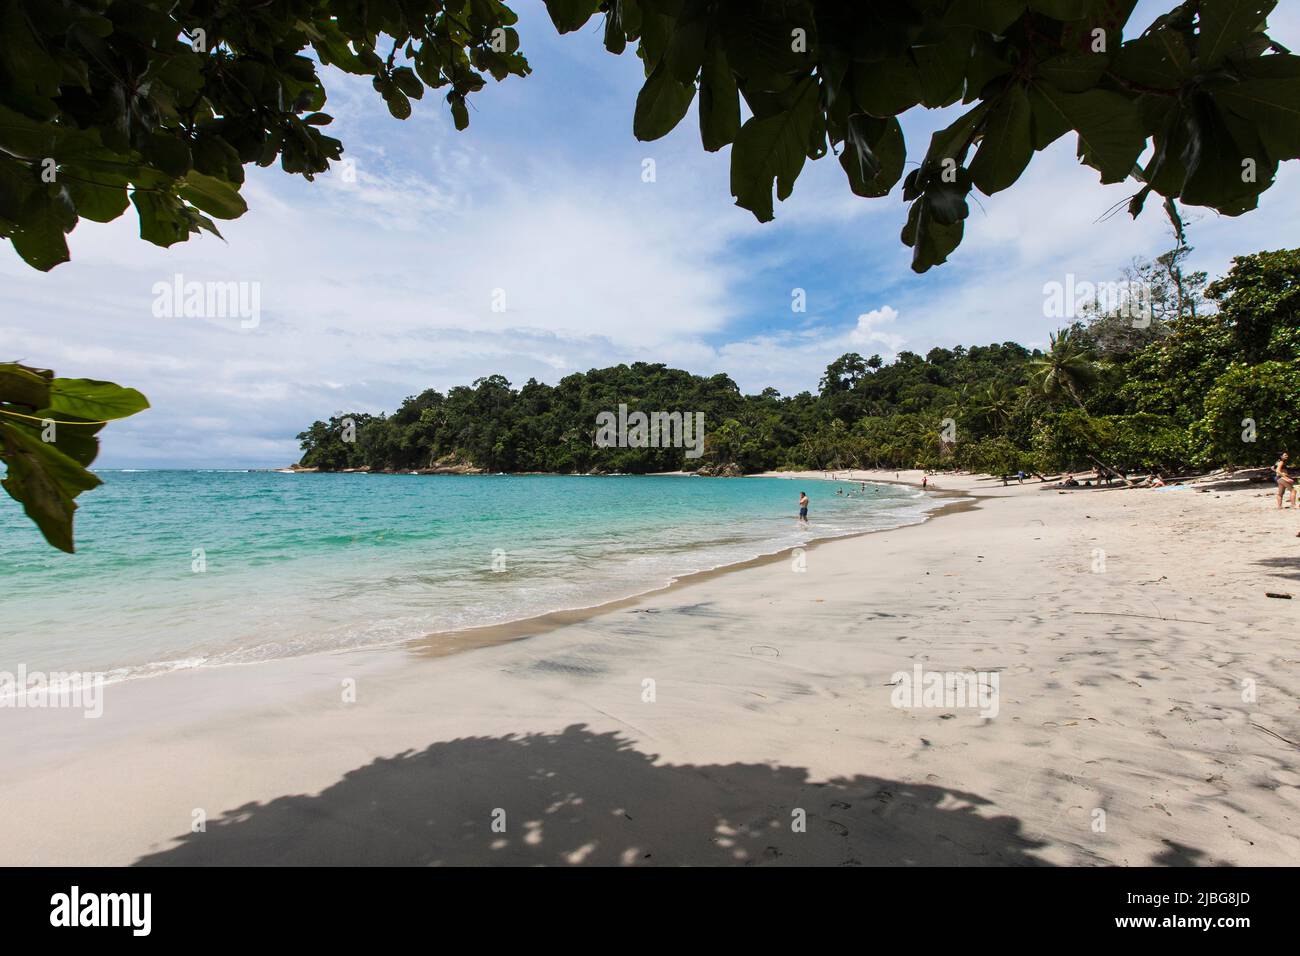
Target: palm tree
(995, 405)
(1064, 368)
(960, 402)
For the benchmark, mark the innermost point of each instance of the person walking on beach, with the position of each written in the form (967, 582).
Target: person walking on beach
(925, 482)
(1284, 481)
(803, 507)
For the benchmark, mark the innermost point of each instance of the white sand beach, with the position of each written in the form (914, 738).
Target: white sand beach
(1147, 713)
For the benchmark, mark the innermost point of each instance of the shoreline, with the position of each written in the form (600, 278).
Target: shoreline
(1121, 693)
(456, 640)
(491, 635)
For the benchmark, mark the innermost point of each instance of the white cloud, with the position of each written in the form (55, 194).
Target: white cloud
(869, 329)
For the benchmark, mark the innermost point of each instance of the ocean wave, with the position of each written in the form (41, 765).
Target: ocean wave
(304, 570)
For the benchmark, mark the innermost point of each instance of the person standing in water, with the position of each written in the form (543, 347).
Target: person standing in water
(803, 507)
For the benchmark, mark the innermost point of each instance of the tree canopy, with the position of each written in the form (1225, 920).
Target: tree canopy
(1204, 387)
(161, 104)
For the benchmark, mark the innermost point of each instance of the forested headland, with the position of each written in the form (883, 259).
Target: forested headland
(1211, 379)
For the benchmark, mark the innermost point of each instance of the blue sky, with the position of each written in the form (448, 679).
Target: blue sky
(373, 290)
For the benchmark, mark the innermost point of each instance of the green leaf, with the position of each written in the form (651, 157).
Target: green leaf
(406, 80)
(719, 101)
(615, 29)
(161, 219)
(685, 51)
(32, 139)
(399, 105)
(1049, 124)
(1158, 59)
(874, 155)
(1273, 105)
(212, 195)
(1007, 145)
(1074, 72)
(888, 87)
(772, 148)
(20, 385)
(98, 196)
(991, 16)
(951, 141)
(1224, 24)
(1111, 135)
(216, 157)
(459, 111)
(75, 438)
(1217, 146)
(986, 65)
(656, 28)
(661, 104)
(931, 241)
(941, 66)
(47, 216)
(45, 481)
(947, 200)
(168, 153)
(570, 15)
(29, 69)
(94, 400)
(760, 47)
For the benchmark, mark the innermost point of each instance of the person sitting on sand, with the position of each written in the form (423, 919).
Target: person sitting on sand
(1284, 480)
(1069, 482)
(803, 507)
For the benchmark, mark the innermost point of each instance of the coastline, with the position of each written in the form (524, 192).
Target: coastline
(1121, 692)
(443, 643)
(454, 638)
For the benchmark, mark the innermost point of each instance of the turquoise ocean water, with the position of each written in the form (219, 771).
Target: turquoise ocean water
(296, 563)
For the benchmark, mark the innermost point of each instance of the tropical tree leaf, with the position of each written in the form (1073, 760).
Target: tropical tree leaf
(45, 481)
(1111, 134)
(661, 104)
(1007, 144)
(570, 15)
(94, 400)
(1224, 24)
(992, 16)
(772, 148)
(48, 435)
(20, 385)
(719, 100)
(213, 196)
(874, 154)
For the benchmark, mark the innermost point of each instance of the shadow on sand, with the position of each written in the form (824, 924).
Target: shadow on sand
(1288, 567)
(585, 798)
